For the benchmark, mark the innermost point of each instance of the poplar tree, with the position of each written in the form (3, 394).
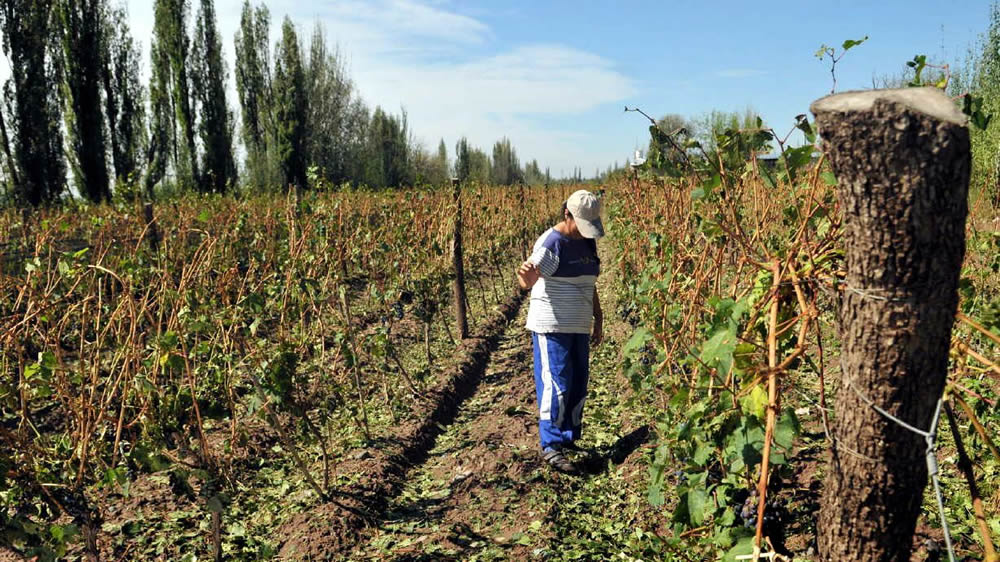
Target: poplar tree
(173, 51)
(462, 163)
(532, 173)
(9, 168)
(210, 92)
(81, 49)
(123, 96)
(440, 175)
(332, 111)
(32, 96)
(442, 156)
(162, 128)
(506, 168)
(389, 150)
(479, 166)
(253, 85)
(291, 107)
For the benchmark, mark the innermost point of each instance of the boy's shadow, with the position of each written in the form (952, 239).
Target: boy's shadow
(596, 461)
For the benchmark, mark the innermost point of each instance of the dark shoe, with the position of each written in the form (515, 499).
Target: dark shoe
(558, 461)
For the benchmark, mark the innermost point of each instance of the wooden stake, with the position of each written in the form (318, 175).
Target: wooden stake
(461, 315)
(772, 401)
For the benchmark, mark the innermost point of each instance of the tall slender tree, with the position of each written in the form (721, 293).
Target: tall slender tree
(532, 173)
(209, 83)
(389, 151)
(506, 166)
(253, 85)
(479, 166)
(356, 138)
(442, 156)
(173, 44)
(29, 28)
(9, 163)
(161, 149)
(291, 106)
(440, 171)
(123, 96)
(82, 45)
(331, 110)
(462, 164)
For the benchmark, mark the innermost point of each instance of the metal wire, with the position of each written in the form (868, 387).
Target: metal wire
(932, 465)
(867, 294)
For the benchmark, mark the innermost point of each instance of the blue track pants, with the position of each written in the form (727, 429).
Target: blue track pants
(561, 373)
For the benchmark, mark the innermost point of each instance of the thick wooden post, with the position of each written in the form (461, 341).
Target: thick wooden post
(902, 163)
(461, 319)
(153, 231)
(26, 230)
(524, 218)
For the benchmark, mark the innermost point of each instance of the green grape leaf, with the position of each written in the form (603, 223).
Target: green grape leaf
(786, 429)
(697, 499)
(853, 42)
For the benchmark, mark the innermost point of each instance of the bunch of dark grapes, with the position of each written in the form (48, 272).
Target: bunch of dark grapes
(648, 355)
(629, 314)
(773, 510)
(679, 475)
(748, 512)
(397, 308)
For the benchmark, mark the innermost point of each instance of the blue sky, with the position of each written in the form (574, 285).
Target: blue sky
(554, 76)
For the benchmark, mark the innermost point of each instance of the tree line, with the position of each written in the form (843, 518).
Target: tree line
(76, 114)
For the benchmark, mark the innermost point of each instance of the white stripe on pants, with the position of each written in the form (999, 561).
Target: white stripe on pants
(545, 412)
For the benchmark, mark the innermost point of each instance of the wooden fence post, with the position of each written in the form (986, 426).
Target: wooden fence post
(902, 163)
(461, 319)
(153, 230)
(524, 220)
(26, 230)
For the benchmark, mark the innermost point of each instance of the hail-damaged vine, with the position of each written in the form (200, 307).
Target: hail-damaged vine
(826, 52)
(274, 320)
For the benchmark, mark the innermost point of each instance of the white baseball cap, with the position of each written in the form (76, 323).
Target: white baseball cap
(586, 210)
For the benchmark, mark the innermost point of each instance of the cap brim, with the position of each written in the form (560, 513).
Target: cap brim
(590, 229)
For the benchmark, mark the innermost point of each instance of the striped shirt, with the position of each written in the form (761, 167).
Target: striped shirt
(562, 300)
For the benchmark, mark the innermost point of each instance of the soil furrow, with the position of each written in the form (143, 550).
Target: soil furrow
(481, 465)
(330, 529)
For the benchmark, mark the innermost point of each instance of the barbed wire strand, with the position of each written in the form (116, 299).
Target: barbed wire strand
(932, 464)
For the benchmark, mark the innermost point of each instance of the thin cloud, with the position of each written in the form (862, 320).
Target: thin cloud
(453, 84)
(740, 73)
(397, 27)
(528, 80)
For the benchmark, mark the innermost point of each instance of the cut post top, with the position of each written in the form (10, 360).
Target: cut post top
(927, 100)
